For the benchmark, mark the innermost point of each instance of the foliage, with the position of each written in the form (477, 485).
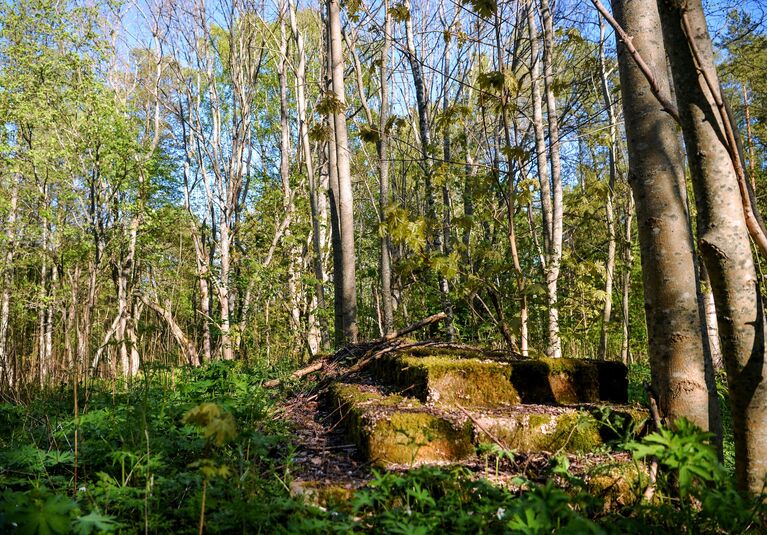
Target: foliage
(143, 454)
(146, 450)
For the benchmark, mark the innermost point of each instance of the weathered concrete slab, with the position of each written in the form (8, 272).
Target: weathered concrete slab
(395, 430)
(541, 428)
(392, 430)
(470, 378)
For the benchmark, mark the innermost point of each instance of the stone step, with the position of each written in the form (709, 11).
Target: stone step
(468, 377)
(393, 430)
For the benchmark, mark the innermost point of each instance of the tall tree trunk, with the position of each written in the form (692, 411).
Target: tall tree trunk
(554, 260)
(287, 194)
(383, 171)
(434, 239)
(676, 349)
(303, 136)
(628, 263)
(609, 209)
(722, 233)
(6, 376)
(551, 185)
(344, 260)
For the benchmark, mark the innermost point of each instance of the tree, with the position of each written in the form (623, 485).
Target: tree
(344, 255)
(679, 359)
(723, 233)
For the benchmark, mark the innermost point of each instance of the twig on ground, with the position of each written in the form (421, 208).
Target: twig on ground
(484, 429)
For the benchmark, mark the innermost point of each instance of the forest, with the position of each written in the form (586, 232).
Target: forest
(383, 266)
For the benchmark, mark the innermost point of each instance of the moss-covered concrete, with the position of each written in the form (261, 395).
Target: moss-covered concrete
(619, 483)
(399, 430)
(567, 381)
(449, 377)
(572, 430)
(392, 430)
(569, 431)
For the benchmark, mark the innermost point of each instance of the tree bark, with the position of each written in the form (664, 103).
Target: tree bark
(287, 194)
(303, 136)
(344, 262)
(609, 208)
(6, 375)
(723, 233)
(656, 174)
(383, 170)
(554, 260)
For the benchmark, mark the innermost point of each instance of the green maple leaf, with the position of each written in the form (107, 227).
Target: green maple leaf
(95, 522)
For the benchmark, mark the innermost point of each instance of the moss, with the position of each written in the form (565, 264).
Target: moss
(618, 483)
(415, 437)
(395, 430)
(459, 353)
(575, 431)
(448, 380)
(467, 376)
(323, 494)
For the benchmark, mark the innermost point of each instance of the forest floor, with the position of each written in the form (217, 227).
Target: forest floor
(210, 449)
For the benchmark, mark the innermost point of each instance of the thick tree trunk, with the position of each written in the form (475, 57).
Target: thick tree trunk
(656, 175)
(723, 234)
(344, 258)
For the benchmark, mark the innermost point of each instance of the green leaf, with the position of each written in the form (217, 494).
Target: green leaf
(95, 522)
(44, 515)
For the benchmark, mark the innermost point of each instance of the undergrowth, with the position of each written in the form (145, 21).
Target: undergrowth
(184, 451)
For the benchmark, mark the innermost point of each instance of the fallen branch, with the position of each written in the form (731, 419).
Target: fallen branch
(484, 430)
(315, 367)
(369, 350)
(434, 318)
